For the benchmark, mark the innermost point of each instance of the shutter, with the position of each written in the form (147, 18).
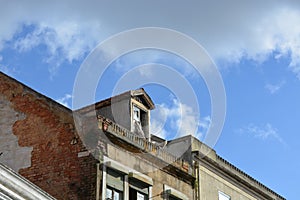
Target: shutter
(139, 186)
(114, 179)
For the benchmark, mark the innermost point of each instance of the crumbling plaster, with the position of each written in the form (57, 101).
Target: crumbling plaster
(12, 154)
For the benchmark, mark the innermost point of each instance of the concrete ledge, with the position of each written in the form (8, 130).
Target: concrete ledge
(141, 177)
(171, 191)
(116, 166)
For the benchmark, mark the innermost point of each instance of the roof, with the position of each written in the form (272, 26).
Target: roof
(209, 156)
(138, 94)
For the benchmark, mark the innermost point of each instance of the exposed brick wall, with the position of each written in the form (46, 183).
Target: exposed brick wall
(49, 129)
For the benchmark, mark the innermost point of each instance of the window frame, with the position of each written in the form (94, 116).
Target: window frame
(128, 174)
(144, 117)
(113, 191)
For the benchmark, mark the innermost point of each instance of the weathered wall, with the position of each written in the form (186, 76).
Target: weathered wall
(159, 176)
(211, 184)
(12, 154)
(36, 135)
(117, 111)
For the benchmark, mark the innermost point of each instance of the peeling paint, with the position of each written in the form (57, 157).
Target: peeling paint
(13, 155)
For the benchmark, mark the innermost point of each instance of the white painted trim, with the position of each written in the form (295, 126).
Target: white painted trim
(14, 186)
(150, 191)
(126, 188)
(103, 182)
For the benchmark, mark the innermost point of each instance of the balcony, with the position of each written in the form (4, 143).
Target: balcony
(144, 145)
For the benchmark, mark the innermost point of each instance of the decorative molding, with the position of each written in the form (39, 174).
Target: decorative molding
(14, 186)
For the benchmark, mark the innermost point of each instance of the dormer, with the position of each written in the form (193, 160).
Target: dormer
(140, 107)
(130, 110)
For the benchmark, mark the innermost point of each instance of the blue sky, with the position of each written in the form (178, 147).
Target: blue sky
(255, 46)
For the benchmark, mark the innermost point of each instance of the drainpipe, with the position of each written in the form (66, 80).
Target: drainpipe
(197, 174)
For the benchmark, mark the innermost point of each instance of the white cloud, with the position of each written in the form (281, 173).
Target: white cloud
(65, 35)
(64, 41)
(229, 30)
(181, 118)
(264, 132)
(65, 100)
(274, 88)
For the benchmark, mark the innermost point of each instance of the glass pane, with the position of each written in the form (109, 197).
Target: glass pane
(109, 193)
(136, 113)
(140, 196)
(116, 195)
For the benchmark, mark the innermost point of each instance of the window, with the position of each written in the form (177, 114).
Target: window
(136, 114)
(138, 190)
(114, 182)
(223, 196)
(113, 194)
(140, 122)
(136, 195)
(119, 183)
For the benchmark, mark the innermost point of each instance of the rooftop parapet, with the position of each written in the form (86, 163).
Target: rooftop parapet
(143, 144)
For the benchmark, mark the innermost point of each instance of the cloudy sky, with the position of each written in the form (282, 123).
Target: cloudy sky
(255, 45)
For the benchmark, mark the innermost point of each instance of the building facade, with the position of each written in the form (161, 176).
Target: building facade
(39, 141)
(216, 178)
(106, 151)
(131, 165)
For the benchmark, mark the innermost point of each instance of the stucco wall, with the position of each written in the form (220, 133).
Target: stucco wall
(159, 176)
(211, 184)
(12, 155)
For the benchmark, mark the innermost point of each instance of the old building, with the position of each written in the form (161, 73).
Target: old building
(39, 141)
(216, 178)
(131, 165)
(106, 151)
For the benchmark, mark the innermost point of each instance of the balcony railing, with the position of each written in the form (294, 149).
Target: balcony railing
(143, 144)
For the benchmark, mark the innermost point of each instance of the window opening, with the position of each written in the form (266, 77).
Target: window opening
(223, 196)
(138, 190)
(114, 185)
(113, 194)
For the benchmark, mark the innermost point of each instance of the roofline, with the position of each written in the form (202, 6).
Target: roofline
(142, 91)
(35, 92)
(248, 183)
(217, 161)
(119, 97)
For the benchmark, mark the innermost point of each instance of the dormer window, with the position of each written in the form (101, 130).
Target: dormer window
(140, 119)
(136, 114)
(131, 110)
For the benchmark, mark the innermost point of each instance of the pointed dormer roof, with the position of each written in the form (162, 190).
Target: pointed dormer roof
(141, 96)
